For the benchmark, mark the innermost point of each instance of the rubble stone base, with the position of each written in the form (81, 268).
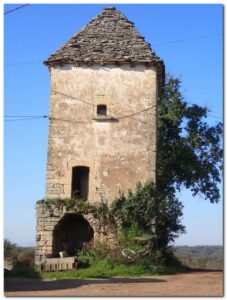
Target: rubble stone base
(48, 219)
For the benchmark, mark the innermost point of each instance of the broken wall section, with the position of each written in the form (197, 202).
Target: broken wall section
(48, 221)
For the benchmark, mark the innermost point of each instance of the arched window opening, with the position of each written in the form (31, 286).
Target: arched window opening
(80, 182)
(101, 110)
(71, 234)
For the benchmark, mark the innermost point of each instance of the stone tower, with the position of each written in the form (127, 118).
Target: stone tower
(105, 83)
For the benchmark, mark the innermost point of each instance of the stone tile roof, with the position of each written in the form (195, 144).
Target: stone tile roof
(108, 38)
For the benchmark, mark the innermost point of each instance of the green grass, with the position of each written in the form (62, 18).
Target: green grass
(99, 269)
(24, 272)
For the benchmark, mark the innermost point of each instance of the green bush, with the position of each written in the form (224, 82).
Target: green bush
(149, 212)
(148, 221)
(101, 210)
(24, 271)
(138, 207)
(70, 204)
(128, 234)
(10, 249)
(85, 259)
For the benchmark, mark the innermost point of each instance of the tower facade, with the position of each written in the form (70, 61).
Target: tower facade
(102, 133)
(105, 84)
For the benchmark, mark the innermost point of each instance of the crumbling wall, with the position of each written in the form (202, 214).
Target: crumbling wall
(47, 219)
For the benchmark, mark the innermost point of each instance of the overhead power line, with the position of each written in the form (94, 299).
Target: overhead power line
(44, 116)
(94, 105)
(12, 10)
(215, 117)
(136, 113)
(188, 39)
(89, 103)
(120, 116)
(65, 95)
(70, 121)
(14, 118)
(157, 44)
(26, 118)
(23, 118)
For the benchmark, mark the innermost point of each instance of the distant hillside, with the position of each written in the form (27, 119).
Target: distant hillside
(204, 257)
(208, 257)
(14, 252)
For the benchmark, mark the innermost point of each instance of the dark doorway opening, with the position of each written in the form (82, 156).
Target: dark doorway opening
(80, 182)
(71, 234)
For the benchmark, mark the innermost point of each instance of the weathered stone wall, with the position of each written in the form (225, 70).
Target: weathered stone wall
(120, 152)
(104, 231)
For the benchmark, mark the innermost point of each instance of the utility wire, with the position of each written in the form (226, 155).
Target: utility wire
(215, 117)
(84, 101)
(44, 116)
(69, 121)
(91, 171)
(136, 113)
(119, 117)
(24, 119)
(189, 39)
(12, 10)
(161, 43)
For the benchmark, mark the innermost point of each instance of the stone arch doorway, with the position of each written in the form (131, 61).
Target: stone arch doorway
(80, 182)
(70, 234)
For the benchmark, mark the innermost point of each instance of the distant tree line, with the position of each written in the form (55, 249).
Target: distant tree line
(208, 257)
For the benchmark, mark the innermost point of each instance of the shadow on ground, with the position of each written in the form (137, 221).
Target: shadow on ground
(191, 270)
(22, 284)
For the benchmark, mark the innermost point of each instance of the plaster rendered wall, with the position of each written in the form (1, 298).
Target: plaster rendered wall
(119, 153)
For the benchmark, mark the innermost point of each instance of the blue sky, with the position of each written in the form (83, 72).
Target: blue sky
(187, 37)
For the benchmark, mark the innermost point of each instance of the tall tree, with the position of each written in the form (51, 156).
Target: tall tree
(190, 151)
(189, 155)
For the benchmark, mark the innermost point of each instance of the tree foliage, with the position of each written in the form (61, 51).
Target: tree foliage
(10, 249)
(139, 208)
(136, 208)
(189, 150)
(189, 155)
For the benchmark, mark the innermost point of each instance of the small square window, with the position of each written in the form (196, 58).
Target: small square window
(101, 110)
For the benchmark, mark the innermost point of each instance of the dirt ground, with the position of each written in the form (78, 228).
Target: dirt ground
(190, 284)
